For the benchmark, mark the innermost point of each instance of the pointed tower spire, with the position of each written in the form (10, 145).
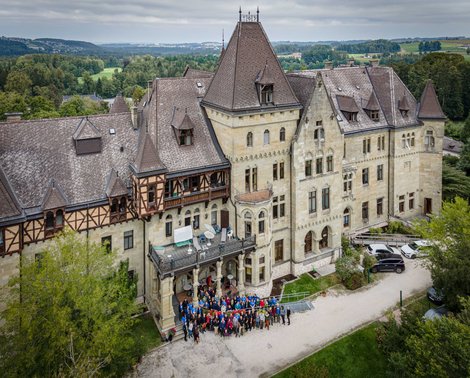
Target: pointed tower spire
(429, 106)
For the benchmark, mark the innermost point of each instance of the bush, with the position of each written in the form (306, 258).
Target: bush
(396, 227)
(354, 281)
(347, 270)
(375, 231)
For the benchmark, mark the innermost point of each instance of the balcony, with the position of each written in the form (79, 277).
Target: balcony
(195, 197)
(172, 259)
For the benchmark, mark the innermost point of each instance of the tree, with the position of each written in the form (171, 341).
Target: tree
(137, 94)
(11, 102)
(68, 313)
(449, 257)
(454, 181)
(19, 82)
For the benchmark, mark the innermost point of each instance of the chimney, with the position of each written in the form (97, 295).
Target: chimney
(351, 62)
(329, 65)
(374, 62)
(136, 117)
(14, 117)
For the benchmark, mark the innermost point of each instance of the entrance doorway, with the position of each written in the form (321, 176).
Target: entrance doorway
(427, 205)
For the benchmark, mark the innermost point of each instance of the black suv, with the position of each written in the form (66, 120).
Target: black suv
(391, 263)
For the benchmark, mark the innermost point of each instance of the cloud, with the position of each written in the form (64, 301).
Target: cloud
(144, 20)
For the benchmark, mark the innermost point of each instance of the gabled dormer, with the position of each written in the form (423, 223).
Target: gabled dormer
(372, 108)
(183, 127)
(53, 208)
(348, 107)
(265, 86)
(404, 106)
(87, 138)
(116, 191)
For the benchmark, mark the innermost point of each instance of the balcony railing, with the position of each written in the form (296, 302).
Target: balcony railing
(172, 260)
(211, 194)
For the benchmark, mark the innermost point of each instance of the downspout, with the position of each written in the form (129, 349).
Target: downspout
(144, 258)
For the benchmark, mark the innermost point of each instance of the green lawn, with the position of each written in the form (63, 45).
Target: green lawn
(146, 334)
(355, 355)
(306, 283)
(107, 73)
(410, 47)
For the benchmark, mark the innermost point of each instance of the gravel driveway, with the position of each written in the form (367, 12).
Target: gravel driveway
(264, 352)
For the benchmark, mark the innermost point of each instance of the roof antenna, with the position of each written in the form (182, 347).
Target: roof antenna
(257, 14)
(240, 13)
(223, 41)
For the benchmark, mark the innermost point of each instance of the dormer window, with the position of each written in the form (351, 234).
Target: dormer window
(374, 115)
(183, 127)
(265, 83)
(87, 138)
(404, 113)
(118, 209)
(266, 97)
(186, 137)
(348, 107)
(53, 222)
(404, 106)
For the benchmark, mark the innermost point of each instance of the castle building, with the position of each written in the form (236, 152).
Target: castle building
(244, 175)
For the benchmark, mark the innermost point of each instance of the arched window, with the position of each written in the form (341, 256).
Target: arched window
(282, 134)
(408, 140)
(261, 222)
(49, 220)
(266, 137)
(214, 214)
(59, 218)
(324, 238)
(412, 139)
(168, 225)
(248, 229)
(187, 218)
(196, 219)
(308, 242)
(403, 141)
(346, 218)
(249, 139)
(429, 140)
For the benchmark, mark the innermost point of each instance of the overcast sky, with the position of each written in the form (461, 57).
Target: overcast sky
(156, 21)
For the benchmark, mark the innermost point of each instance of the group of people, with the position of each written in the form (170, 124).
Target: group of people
(230, 315)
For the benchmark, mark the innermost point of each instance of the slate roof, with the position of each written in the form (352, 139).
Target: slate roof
(194, 73)
(372, 104)
(86, 130)
(452, 145)
(429, 107)
(359, 88)
(246, 57)
(181, 120)
(347, 104)
(389, 90)
(147, 159)
(182, 93)
(119, 105)
(303, 87)
(9, 206)
(115, 187)
(33, 153)
(54, 197)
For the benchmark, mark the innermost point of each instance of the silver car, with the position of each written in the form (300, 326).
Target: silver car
(415, 249)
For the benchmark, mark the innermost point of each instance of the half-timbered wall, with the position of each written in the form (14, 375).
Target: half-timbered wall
(141, 188)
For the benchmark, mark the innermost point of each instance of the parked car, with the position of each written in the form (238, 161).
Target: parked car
(435, 296)
(393, 263)
(435, 313)
(382, 249)
(415, 249)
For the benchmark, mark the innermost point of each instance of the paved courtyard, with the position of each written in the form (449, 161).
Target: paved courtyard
(262, 352)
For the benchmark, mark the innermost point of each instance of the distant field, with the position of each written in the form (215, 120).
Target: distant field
(451, 45)
(107, 73)
(361, 57)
